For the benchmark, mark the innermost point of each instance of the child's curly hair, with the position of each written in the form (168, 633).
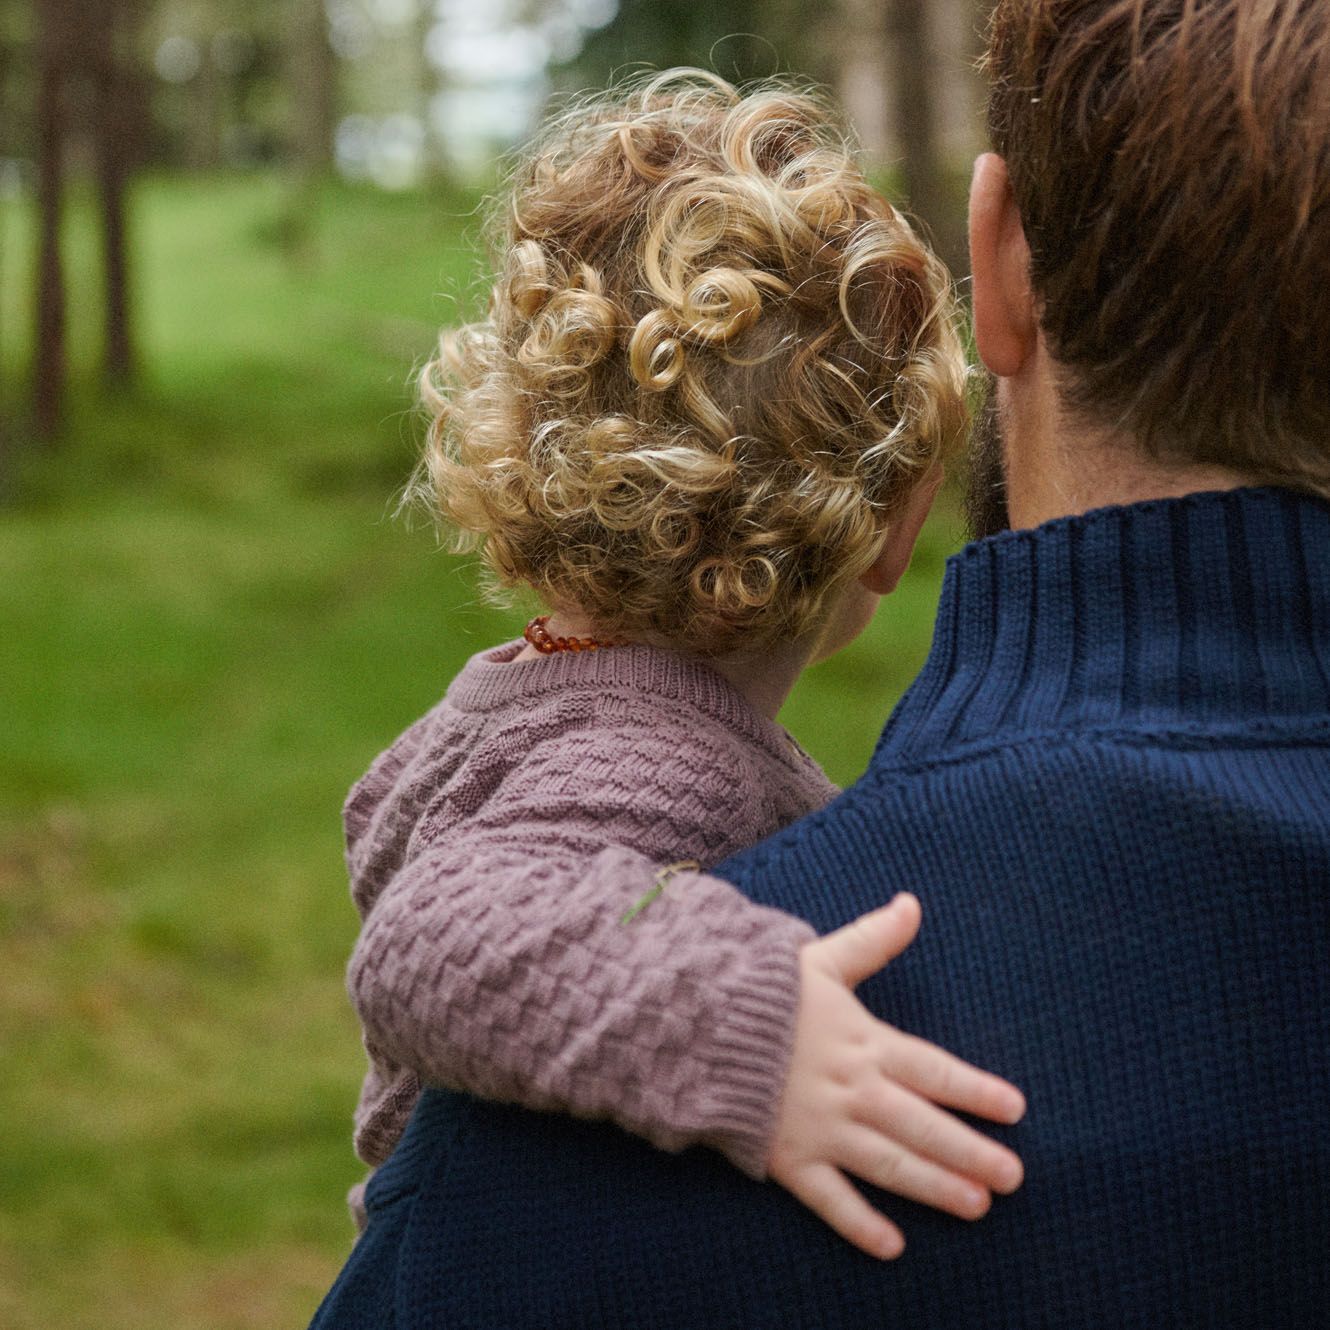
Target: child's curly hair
(715, 362)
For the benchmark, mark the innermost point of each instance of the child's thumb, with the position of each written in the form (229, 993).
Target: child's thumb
(865, 946)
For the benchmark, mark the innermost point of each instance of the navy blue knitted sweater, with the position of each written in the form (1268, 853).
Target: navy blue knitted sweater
(1110, 787)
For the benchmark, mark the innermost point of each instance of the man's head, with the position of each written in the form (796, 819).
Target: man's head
(1169, 169)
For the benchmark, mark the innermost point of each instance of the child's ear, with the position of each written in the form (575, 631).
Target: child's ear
(902, 533)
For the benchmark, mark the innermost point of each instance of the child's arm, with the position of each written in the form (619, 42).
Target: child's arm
(492, 967)
(500, 964)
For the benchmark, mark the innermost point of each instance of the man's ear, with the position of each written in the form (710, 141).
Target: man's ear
(902, 533)
(1006, 325)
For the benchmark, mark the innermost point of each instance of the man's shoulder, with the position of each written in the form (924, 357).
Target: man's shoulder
(1133, 932)
(1049, 804)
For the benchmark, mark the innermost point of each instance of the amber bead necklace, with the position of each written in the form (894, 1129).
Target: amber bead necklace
(540, 637)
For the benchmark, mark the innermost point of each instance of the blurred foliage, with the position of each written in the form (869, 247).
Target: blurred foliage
(237, 103)
(247, 84)
(16, 77)
(738, 39)
(211, 622)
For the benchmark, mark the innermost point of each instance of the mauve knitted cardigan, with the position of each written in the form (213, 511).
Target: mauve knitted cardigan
(494, 850)
(1110, 787)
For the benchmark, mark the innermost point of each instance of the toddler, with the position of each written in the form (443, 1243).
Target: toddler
(703, 422)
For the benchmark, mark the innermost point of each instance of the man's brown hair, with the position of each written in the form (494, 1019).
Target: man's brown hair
(1171, 163)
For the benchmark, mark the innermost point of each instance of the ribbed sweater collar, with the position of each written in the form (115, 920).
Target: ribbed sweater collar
(1209, 612)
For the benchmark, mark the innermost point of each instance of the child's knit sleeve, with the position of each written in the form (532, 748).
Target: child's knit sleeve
(499, 961)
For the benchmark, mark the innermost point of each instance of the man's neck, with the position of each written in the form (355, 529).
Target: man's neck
(1053, 491)
(1058, 465)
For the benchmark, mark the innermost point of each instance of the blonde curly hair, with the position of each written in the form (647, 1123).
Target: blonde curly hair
(716, 361)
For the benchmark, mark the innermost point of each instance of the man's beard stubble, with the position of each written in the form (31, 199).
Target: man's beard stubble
(986, 487)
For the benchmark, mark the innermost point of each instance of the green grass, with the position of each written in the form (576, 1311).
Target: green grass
(209, 623)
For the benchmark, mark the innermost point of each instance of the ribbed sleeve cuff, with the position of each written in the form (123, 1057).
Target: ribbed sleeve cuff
(751, 1046)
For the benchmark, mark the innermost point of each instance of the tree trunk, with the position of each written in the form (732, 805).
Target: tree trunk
(913, 88)
(114, 149)
(49, 363)
(427, 78)
(863, 72)
(5, 465)
(208, 112)
(4, 219)
(313, 88)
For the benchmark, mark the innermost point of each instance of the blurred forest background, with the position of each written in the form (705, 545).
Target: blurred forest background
(228, 231)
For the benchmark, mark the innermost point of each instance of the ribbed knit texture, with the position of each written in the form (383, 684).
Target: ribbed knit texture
(494, 850)
(1110, 787)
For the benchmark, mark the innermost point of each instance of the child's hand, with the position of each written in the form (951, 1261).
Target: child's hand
(857, 1098)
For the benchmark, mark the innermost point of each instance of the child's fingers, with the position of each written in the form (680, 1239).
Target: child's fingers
(930, 1132)
(865, 946)
(887, 1164)
(833, 1198)
(945, 1079)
